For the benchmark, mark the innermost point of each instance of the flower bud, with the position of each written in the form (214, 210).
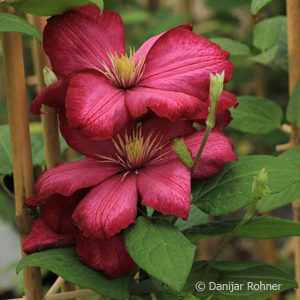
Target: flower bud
(259, 186)
(216, 89)
(49, 76)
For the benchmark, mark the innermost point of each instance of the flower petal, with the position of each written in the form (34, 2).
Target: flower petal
(181, 61)
(145, 48)
(57, 212)
(217, 151)
(82, 144)
(109, 256)
(68, 177)
(81, 38)
(95, 106)
(41, 236)
(52, 95)
(166, 188)
(108, 208)
(164, 103)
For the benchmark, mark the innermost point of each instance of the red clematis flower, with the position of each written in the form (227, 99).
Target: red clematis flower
(55, 228)
(140, 161)
(101, 88)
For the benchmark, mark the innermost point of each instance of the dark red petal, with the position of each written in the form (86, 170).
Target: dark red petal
(217, 151)
(108, 208)
(166, 188)
(167, 130)
(181, 61)
(95, 106)
(41, 236)
(82, 144)
(108, 256)
(68, 177)
(81, 38)
(164, 103)
(57, 212)
(52, 95)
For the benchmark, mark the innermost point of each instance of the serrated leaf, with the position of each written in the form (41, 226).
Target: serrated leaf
(257, 5)
(293, 108)
(196, 217)
(266, 57)
(13, 23)
(51, 7)
(266, 33)
(230, 190)
(65, 263)
(235, 48)
(182, 152)
(256, 115)
(156, 248)
(239, 273)
(264, 227)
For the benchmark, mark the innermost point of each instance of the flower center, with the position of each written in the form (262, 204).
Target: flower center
(125, 71)
(135, 151)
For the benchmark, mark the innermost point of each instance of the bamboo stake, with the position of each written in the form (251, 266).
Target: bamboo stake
(293, 12)
(49, 119)
(21, 148)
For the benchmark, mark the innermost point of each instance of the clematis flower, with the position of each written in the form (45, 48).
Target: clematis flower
(138, 162)
(55, 228)
(101, 88)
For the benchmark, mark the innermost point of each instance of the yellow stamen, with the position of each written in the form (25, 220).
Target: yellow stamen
(125, 71)
(135, 151)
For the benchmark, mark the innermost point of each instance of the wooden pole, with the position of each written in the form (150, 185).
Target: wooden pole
(21, 148)
(49, 119)
(293, 12)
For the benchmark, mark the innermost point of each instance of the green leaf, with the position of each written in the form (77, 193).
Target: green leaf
(245, 273)
(264, 227)
(257, 5)
(51, 7)
(182, 152)
(266, 57)
(293, 155)
(196, 217)
(266, 33)
(293, 109)
(235, 48)
(65, 263)
(281, 59)
(161, 250)
(13, 23)
(230, 190)
(256, 115)
(5, 152)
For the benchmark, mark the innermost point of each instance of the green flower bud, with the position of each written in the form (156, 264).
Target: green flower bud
(259, 186)
(49, 76)
(216, 89)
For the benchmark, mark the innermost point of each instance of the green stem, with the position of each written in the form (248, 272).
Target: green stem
(245, 219)
(195, 162)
